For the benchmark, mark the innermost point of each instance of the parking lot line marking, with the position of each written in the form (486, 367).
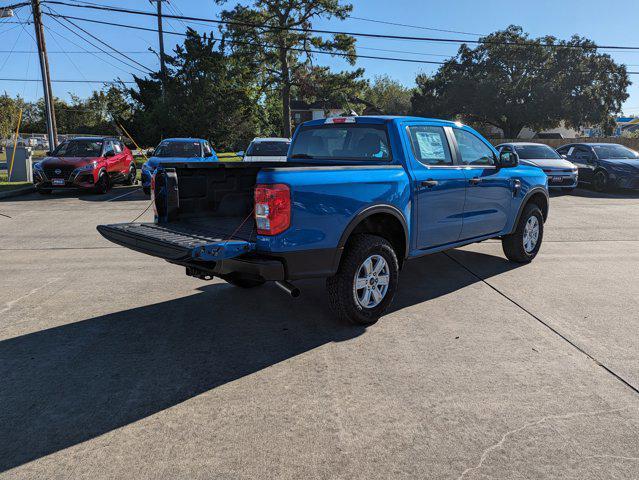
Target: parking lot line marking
(123, 195)
(547, 325)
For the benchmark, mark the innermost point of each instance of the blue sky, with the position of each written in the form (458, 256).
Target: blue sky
(614, 25)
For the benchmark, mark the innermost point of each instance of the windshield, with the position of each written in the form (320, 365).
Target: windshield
(178, 149)
(268, 149)
(342, 141)
(535, 152)
(78, 148)
(614, 151)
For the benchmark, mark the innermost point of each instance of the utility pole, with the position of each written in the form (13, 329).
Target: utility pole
(161, 38)
(52, 130)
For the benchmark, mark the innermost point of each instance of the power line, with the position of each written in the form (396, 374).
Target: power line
(415, 26)
(321, 52)
(91, 43)
(63, 81)
(109, 46)
(237, 42)
(336, 32)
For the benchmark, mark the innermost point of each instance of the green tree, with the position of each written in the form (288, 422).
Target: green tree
(208, 93)
(388, 96)
(319, 84)
(276, 33)
(536, 83)
(10, 109)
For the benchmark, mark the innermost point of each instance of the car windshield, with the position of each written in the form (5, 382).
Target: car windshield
(342, 141)
(78, 148)
(178, 149)
(535, 152)
(268, 149)
(614, 151)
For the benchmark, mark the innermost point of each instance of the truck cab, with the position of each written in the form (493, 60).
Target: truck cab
(357, 198)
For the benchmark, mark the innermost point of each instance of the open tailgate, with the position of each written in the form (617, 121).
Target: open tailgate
(177, 241)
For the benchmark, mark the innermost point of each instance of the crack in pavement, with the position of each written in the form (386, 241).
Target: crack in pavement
(509, 433)
(9, 305)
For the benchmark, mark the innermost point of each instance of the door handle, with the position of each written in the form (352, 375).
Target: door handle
(430, 183)
(474, 181)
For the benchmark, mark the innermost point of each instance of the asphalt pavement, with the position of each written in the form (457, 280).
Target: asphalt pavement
(114, 364)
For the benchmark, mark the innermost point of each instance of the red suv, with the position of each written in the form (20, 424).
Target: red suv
(85, 162)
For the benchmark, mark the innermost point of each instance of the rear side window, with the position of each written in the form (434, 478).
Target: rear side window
(342, 141)
(268, 149)
(472, 150)
(429, 145)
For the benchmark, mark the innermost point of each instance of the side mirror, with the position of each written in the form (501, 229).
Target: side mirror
(508, 160)
(240, 153)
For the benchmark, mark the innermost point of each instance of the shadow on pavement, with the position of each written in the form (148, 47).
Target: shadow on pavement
(133, 192)
(68, 384)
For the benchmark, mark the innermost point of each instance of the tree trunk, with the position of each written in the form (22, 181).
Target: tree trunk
(511, 131)
(286, 93)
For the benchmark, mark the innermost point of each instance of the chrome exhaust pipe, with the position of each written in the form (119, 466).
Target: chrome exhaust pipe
(289, 288)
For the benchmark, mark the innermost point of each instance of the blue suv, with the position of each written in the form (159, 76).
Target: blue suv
(176, 150)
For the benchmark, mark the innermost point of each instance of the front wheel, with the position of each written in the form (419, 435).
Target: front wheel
(131, 177)
(600, 182)
(366, 282)
(102, 185)
(524, 244)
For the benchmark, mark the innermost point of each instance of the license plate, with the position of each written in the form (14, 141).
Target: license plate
(556, 179)
(57, 181)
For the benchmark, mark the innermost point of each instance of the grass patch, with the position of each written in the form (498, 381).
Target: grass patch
(6, 186)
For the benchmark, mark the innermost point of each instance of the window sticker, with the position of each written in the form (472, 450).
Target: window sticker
(430, 144)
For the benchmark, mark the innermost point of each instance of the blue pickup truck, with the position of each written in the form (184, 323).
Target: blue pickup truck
(357, 197)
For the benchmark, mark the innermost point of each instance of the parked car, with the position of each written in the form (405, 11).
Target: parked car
(87, 163)
(605, 166)
(561, 173)
(358, 197)
(176, 150)
(267, 150)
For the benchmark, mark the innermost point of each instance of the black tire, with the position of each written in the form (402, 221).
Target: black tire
(103, 184)
(146, 190)
(600, 182)
(131, 178)
(44, 191)
(342, 296)
(244, 282)
(513, 244)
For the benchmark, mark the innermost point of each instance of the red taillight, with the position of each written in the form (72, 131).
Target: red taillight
(155, 209)
(272, 208)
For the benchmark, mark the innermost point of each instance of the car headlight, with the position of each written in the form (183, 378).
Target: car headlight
(88, 166)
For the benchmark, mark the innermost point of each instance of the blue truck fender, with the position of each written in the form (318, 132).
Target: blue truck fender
(363, 215)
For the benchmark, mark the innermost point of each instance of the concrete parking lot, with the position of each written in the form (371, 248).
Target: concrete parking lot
(114, 364)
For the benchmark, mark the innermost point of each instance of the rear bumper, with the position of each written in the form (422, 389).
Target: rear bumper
(183, 247)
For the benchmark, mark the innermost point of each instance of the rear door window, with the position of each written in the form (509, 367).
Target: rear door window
(429, 145)
(358, 142)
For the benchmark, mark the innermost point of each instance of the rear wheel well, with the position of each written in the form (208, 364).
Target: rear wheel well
(386, 226)
(541, 201)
